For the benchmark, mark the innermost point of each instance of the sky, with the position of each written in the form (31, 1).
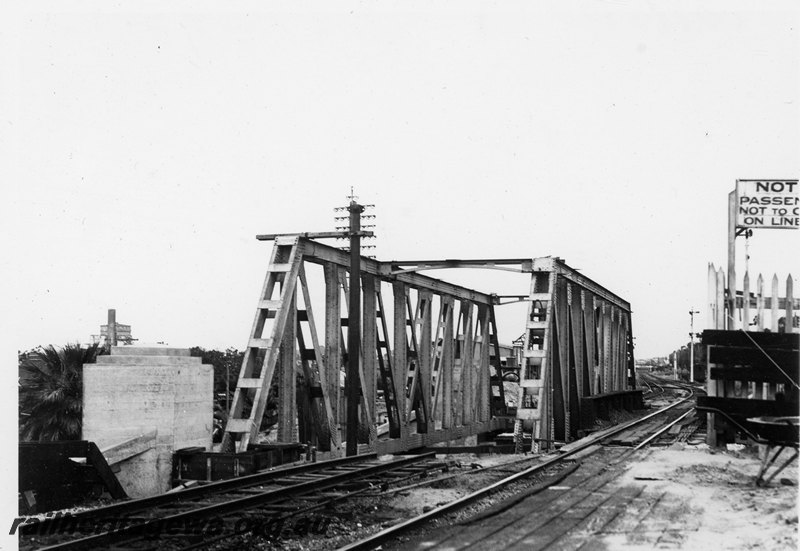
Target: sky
(146, 144)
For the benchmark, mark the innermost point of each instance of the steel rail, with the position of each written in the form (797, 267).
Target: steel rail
(378, 538)
(140, 504)
(661, 431)
(316, 505)
(132, 531)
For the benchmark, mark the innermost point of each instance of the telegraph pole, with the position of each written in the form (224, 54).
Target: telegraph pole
(352, 382)
(692, 312)
(352, 386)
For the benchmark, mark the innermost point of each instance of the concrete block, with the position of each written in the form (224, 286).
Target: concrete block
(139, 475)
(128, 395)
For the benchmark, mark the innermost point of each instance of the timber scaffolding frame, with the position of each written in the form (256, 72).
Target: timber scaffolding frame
(752, 352)
(434, 370)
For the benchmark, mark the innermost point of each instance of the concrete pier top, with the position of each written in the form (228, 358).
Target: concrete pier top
(150, 350)
(148, 355)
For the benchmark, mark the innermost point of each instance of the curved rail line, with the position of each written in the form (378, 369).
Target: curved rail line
(378, 538)
(127, 507)
(224, 498)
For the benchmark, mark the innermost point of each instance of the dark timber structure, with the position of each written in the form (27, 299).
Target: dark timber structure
(429, 357)
(752, 351)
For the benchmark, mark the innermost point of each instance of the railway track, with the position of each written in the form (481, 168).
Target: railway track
(632, 435)
(650, 384)
(254, 509)
(200, 516)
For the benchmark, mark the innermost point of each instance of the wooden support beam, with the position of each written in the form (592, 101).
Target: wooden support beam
(466, 384)
(447, 366)
(483, 366)
(607, 386)
(574, 339)
(436, 363)
(413, 441)
(722, 323)
(333, 340)
(391, 387)
(774, 306)
(287, 380)
(498, 408)
(412, 353)
(317, 252)
(424, 335)
(759, 304)
(562, 319)
(399, 361)
(590, 342)
(369, 352)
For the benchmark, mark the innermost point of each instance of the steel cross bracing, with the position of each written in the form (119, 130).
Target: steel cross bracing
(429, 357)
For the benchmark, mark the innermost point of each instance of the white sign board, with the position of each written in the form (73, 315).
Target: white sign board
(122, 330)
(768, 204)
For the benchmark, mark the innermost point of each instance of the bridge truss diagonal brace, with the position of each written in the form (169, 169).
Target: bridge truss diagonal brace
(443, 364)
(321, 409)
(418, 381)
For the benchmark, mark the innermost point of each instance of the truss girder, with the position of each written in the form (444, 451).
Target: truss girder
(430, 376)
(578, 343)
(429, 362)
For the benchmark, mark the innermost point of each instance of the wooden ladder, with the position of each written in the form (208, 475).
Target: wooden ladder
(261, 355)
(540, 318)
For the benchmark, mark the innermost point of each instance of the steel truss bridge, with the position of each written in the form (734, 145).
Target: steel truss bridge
(429, 358)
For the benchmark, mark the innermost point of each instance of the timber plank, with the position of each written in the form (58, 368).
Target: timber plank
(743, 408)
(758, 374)
(504, 529)
(536, 515)
(590, 517)
(741, 338)
(742, 355)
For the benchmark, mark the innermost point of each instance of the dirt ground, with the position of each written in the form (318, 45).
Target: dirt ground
(715, 502)
(471, 478)
(693, 498)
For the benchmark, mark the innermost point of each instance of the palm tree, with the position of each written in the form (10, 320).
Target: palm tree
(51, 392)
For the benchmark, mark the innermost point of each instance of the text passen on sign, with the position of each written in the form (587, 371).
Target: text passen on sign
(768, 204)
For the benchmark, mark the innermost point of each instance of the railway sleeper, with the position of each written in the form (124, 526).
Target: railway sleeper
(249, 491)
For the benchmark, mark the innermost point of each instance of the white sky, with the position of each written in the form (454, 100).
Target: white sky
(147, 145)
